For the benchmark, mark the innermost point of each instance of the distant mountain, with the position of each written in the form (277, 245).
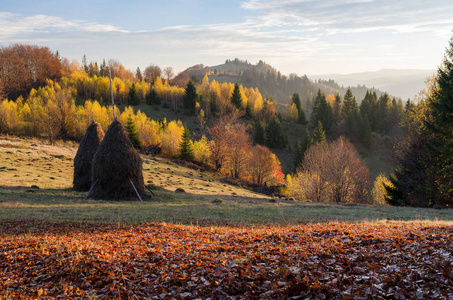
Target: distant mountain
(398, 83)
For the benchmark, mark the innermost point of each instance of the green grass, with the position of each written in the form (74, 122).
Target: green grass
(64, 205)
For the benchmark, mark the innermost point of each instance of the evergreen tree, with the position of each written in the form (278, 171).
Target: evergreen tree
(440, 126)
(133, 133)
(190, 97)
(236, 97)
(424, 176)
(298, 157)
(296, 100)
(322, 112)
(349, 104)
(337, 109)
(152, 98)
(319, 135)
(186, 146)
(249, 111)
(133, 98)
(259, 137)
(301, 118)
(274, 134)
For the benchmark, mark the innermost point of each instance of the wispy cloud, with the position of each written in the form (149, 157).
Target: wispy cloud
(14, 25)
(292, 33)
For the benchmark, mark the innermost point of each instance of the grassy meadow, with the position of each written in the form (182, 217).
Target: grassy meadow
(36, 180)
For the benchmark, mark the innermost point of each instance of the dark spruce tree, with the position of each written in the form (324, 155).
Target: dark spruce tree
(274, 134)
(236, 97)
(133, 98)
(424, 176)
(319, 135)
(186, 152)
(322, 112)
(133, 133)
(298, 157)
(152, 98)
(259, 137)
(190, 98)
(440, 126)
(349, 104)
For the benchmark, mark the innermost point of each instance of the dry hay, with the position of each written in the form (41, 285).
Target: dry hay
(84, 157)
(115, 162)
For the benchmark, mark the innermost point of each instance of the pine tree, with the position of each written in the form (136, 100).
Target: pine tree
(259, 137)
(298, 157)
(440, 146)
(322, 112)
(236, 97)
(274, 134)
(319, 135)
(190, 97)
(133, 98)
(296, 100)
(152, 98)
(301, 118)
(337, 109)
(186, 146)
(133, 133)
(349, 104)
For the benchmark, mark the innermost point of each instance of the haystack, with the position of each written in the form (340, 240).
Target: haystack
(84, 157)
(115, 164)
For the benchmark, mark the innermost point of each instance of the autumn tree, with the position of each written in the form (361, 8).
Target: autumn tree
(337, 172)
(264, 167)
(168, 73)
(23, 67)
(238, 144)
(151, 73)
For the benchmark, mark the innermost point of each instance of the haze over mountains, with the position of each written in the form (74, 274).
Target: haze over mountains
(399, 83)
(402, 84)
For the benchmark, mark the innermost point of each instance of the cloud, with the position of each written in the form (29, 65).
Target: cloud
(351, 16)
(14, 25)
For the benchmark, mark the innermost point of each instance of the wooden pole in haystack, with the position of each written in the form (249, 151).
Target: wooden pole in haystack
(111, 93)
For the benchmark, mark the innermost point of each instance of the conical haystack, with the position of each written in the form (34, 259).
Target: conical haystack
(115, 162)
(84, 157)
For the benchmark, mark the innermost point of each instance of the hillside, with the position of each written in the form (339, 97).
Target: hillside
(271, 82)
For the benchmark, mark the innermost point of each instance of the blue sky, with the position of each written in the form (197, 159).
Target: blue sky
(294, 36)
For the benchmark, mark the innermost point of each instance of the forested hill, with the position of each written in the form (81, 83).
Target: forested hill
(270, 81)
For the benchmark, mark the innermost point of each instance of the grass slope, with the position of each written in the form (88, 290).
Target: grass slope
(207, 198)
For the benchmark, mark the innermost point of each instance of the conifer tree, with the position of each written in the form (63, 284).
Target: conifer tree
(296, 100)
(349, 104)
(298, 157)
(274, 134)
(133, 98)
(190, 97)
(236, 97)
(133, 133)
(152, 98)
(186, 146)
(322, 112)
(319, 135)
(259, 137)
(440, 126)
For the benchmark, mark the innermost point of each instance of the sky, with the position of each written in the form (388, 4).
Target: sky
(294, 36)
